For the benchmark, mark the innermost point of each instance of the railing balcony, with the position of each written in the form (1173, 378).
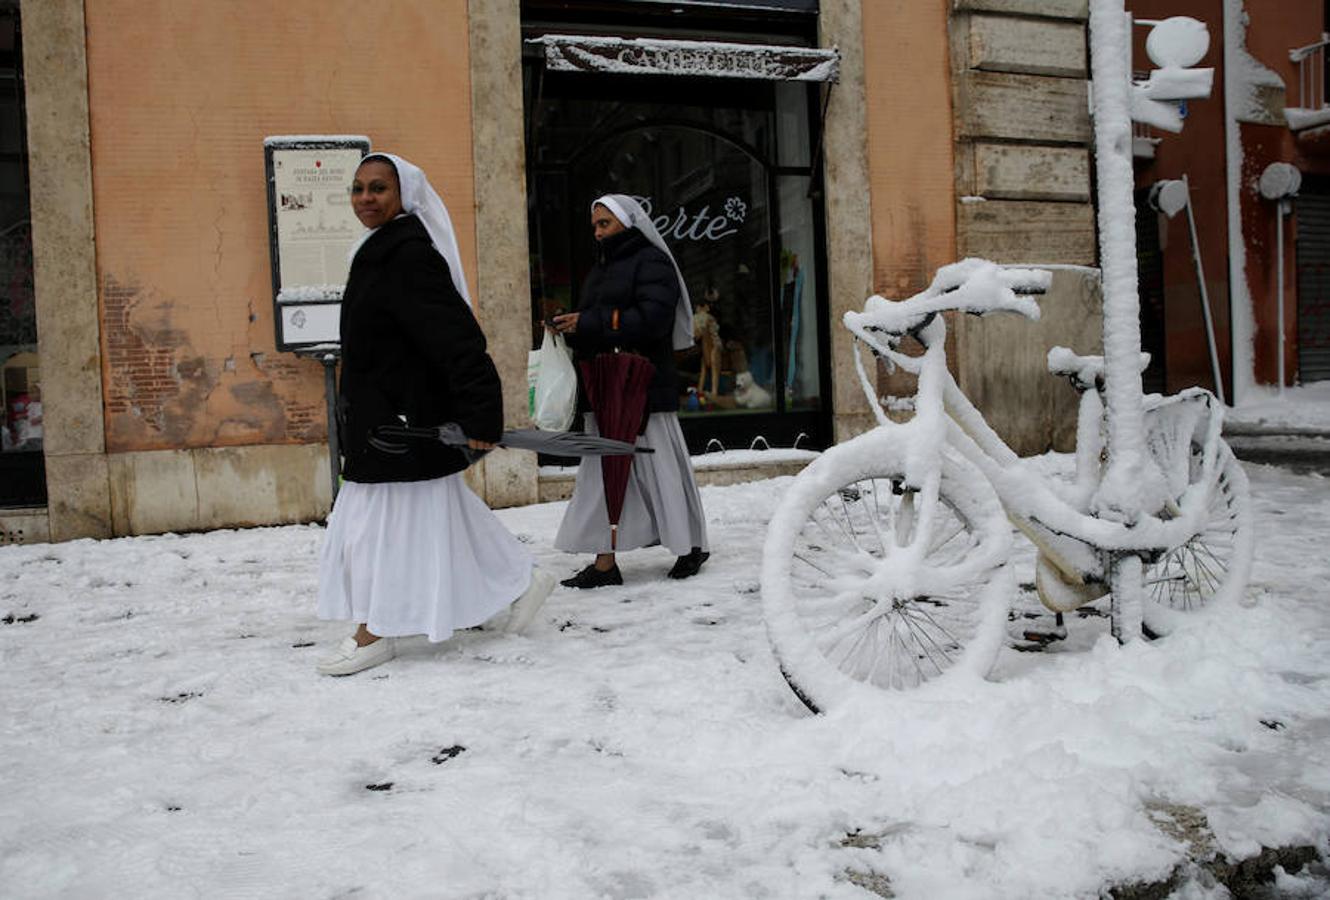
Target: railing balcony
(1311, 110)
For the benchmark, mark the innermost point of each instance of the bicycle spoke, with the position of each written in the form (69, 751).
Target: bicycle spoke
(876, 516)
(925, 638)
(862, 622)
(937, 544)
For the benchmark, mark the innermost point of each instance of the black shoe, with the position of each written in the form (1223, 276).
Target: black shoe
(687, 566)
(591, 577)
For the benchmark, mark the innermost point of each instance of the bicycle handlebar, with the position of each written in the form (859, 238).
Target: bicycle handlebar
(972, 285)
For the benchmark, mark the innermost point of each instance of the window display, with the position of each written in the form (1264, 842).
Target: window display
(729, 187)
(22, 467)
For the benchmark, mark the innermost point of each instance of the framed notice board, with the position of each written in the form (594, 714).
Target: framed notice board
(311, 230)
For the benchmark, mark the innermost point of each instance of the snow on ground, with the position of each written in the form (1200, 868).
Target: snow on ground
(1302, 408)
(163, 734)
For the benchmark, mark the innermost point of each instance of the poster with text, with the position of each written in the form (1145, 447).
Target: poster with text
(315, 226)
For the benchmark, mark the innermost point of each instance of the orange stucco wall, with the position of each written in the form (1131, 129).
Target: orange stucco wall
(182, 94)
(911, 167)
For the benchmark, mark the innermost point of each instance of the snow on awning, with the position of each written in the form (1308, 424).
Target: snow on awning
(708, 59)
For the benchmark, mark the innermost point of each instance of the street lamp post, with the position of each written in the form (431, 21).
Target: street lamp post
(1280, 182)
(1130, 484)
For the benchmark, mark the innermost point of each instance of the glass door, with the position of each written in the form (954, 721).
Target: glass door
(729, 187)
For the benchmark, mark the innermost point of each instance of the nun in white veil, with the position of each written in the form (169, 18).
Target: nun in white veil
(409, 548)
(635, 299)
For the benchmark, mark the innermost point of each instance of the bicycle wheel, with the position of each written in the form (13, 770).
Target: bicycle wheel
(1211, 569)
(864, 588)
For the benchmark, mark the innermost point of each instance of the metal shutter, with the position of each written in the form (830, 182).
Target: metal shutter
(1313, 211)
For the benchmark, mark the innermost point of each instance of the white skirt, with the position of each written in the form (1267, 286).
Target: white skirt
(417, 557)
(662, 506)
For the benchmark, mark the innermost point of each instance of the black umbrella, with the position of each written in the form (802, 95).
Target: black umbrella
(555, 443)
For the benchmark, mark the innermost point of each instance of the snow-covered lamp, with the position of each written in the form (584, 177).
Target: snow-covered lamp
(1171, 197)
(1168, 197)
(1174, 45)
(1280, 182)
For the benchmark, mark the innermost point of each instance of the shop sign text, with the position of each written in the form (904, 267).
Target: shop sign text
(684, 225)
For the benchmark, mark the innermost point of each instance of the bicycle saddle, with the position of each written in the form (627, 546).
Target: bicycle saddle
(1085, 372)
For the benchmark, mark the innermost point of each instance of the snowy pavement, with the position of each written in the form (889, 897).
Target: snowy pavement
(163, 734)
(1290, 429)
(1304, 409)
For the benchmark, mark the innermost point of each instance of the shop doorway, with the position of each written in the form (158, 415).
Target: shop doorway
(22, 465)
(726, 168)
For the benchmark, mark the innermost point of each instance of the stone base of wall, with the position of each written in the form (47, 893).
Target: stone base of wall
(227, 487)
(24, 526)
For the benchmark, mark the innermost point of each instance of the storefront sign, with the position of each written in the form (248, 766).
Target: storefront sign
(711, 59)
(797, 6)
(705, 225)
(312, 228)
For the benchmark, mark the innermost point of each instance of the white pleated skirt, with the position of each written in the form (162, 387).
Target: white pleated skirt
(417, 557)
(662, 505)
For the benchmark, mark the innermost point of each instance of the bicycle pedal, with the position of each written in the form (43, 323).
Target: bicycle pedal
(1043, 638)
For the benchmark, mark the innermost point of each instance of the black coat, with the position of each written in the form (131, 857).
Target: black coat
(410, 348)
(637, 280)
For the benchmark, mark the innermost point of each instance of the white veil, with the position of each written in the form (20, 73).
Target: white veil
(420, 199)
(629, 212)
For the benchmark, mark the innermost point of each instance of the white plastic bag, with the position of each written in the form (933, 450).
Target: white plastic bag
(554, 396)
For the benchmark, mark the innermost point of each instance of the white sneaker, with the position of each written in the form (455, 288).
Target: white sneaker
(525, 607)
(349, 658)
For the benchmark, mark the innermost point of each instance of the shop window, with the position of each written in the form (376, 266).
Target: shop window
(729, 183)
(22, 469)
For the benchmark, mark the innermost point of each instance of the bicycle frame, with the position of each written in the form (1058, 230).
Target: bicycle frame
(1065, 528)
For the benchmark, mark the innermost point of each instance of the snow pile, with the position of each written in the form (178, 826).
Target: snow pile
(1246, 75)
(1302, 409)
(165, 735)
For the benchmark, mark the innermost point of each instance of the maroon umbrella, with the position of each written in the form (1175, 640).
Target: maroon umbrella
(616, 387)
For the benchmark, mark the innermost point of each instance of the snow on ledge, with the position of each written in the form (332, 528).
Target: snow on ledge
(275, 139)
(311, 293)
(1302, 119)
(715, 59)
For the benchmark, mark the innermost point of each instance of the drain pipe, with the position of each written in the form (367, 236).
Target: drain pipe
(1240, 317)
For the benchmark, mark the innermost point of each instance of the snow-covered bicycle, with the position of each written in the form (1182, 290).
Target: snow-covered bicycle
(886, 565)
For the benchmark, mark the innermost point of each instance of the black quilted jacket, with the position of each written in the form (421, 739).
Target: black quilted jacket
(638, 281)
(411, 349)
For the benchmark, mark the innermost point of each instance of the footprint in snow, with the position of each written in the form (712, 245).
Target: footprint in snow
(181, 697)
(447, 753)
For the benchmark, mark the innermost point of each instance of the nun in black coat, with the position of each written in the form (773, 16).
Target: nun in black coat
(635, 299)
(409, 548)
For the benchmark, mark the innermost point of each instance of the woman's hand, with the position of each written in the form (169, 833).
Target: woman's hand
(566, 323)
(479, 445)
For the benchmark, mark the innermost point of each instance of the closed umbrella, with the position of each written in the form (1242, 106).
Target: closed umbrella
(555, 443)
(616, 387)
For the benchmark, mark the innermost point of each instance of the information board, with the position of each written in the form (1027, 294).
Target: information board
(311, 231)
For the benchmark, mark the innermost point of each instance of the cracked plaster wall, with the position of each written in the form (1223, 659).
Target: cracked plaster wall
(182, 93)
